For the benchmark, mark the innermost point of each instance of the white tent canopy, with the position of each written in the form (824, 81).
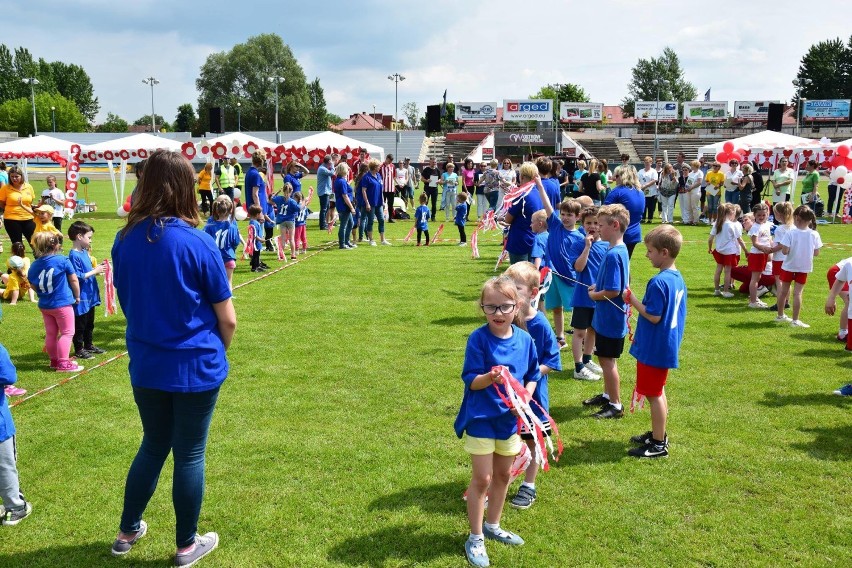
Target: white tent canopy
(324, 140)
(36, 145)
(568, 143)
(234, 140)
(766, 140)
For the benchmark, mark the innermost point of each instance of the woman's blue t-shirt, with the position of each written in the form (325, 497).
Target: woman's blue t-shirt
(295, 180)
(373, 185)
(634, 201)
(341, 188)
(521, 236)
(49, 276)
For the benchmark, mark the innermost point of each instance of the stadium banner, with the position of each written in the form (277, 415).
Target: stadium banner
(580, 112)
(705, 111)
(829, 110)
(527, 109)
(524, 138)
(473, 111)
(754, 111)
(666, 111)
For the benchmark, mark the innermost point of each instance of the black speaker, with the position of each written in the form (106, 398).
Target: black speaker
(776, 113)
(433, 118)
(217, 120)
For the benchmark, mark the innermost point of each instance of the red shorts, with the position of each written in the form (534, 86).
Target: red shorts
(650, 380)
(798, 277)
(832, 278)
(757, 261)
(776, 267)
(726, 259)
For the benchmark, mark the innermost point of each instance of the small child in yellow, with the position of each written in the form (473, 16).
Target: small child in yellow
(43, 221)
(16, 283)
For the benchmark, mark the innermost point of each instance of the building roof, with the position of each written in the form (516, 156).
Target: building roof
(360, 121)
(614, 114)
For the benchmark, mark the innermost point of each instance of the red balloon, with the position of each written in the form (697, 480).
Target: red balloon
(841, 181)
(843, 150)
(720, 157)
(126, 206)
(728, 147)
(736, 156)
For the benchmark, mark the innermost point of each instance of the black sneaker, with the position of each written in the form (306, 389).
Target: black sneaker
(609, 411)
(652, 449)
(263, 265)
(95, 349)
(256, 269)
(82, 354)
(597, 400)
(642, 439)
(524, 498)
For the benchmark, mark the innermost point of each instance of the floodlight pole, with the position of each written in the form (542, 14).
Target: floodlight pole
(33, 82)
(275, 79)
(396, 78)
(152, 81)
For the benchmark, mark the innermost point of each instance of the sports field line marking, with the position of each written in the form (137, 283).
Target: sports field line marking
(120, 355)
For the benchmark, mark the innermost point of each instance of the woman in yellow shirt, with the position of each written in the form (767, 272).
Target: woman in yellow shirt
(204, 178)
(715, 182)
(16, 200)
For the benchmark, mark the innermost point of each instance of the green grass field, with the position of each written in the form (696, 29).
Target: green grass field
(332, 443)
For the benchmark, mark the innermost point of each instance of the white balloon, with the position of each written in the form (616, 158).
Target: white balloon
(237, 193)
(240, 214)
(121, 212)
(840, 171)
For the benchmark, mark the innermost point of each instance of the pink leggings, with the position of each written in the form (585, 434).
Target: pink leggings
(301, 238)
(59, 331)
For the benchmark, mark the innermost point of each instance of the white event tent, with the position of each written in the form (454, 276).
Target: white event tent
(35, 147)
(232, 145)
(335, 142)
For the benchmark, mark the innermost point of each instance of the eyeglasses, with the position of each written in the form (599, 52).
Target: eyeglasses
(491, 309)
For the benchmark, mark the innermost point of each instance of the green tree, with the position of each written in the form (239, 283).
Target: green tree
(332, 118)
(411, 113)
(666, 69)
(145, 120)
(824, 72)
(243, 74)
(185, 121)
(318, 115)
(72, 82)
(9, 82)
(113, 123)
(16, 115)
(559, 93)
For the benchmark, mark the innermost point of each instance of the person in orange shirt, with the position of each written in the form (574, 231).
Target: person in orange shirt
(204, 178)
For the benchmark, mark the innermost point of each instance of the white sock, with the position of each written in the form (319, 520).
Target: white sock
(843, 332)
(528, 484)
(606, 396)
(477, 537)
(618, 406)
(492, 528)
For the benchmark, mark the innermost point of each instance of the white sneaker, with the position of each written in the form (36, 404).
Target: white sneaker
(758, 305)
(717, 292)
(762, 291)
(783, 318)
(372, 243)
(727, 294)
(386, 242)
(462, 244)
(585, 374)
(799, 323)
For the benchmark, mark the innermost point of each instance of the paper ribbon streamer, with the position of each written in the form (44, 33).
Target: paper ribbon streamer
(310, 196)
(518, 398)
(504, 254)
(410, 232)
(109, 290)
(513, 195)
(546, 279)
(281, 255)
(249, 248)
(488, 223)
(474, 244)
(438, 233)
(637, 400)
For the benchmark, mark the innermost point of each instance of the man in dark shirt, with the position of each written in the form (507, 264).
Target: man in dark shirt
(430, 176)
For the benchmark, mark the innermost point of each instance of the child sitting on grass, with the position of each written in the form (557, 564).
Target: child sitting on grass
(15, 283)
(659, 333)
(526, 277)
(485, 423)
(16, 508)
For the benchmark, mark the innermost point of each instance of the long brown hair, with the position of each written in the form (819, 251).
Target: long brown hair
(166, 190)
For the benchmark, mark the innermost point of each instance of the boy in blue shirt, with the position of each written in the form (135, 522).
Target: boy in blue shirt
(562, 236)
(610, 318)
(461, 215)
(539, 251)
(84, 311)
(421, 219)
(256, 217)
(16, 508)
(659, 333)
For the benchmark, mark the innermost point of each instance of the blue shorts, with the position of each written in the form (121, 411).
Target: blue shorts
(559, 295)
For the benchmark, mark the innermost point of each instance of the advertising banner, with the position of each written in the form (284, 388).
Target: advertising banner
(666, 111)
(705, 111)
(754, 111)
(527, 109)
(831, 110)
(580, 112)
(487, 154)
(472, 111)
(524, 138)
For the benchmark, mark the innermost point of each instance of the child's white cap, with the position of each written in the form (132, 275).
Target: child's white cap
(16, 262)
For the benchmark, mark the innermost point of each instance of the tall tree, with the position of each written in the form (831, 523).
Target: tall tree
(317, 117)
(16, 115)
(243, 74)
(72, 82)
(9, 82)
(113, 123)
(827, 65)
(666, 69)
(411, 113)
(569, 92)
(185, 121)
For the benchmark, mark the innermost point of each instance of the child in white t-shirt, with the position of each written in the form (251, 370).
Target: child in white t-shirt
(760, 252)
(727, 232)
(801, 244)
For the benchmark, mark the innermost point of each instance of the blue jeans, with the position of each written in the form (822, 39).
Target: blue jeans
(173, 422)
(376, 211)
(323, 213)
(732, 196)
(344, 228)
(492, 200)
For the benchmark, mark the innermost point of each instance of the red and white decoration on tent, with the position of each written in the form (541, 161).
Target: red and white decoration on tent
(72, 178)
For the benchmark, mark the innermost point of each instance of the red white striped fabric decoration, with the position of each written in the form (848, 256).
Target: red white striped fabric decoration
(109, 290)
(410, 232)
(438, 234)
(474, 244)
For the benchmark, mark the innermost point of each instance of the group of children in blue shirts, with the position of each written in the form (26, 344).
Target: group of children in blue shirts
(591, 277)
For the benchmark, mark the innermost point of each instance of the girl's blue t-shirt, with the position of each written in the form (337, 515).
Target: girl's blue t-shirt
(90, 294)
(610, 319)
(172, 329)
(302, 216)
(49, 276)
(286, 209)
(258, 233)
(226, 235)
(461, 212)
(295, 180)
(421, 217)
(341, 188)
(483, 414)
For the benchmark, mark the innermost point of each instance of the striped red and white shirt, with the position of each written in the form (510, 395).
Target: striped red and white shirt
(387, 170)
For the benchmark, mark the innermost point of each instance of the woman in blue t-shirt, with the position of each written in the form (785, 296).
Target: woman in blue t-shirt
(628, 193)
(174, 292)
(295, 173)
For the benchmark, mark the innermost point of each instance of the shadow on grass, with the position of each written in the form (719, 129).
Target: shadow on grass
(775, 400)
(441, 498)
(569, 413)
(831, 444)
(407, 545)
(89, 554)
(462, 295)
(820, 353)
(459, 320)
(584, 452)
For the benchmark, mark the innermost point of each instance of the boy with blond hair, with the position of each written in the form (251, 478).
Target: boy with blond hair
(539, 251)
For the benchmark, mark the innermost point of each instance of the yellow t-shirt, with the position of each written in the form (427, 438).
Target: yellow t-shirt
(16, 282)
(14, 211)
(715, 179)
(46, 228)
(204, 180)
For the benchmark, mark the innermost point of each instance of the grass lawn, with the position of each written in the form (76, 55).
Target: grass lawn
(332, 443)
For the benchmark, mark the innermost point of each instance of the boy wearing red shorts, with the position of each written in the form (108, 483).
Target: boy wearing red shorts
(662, 315)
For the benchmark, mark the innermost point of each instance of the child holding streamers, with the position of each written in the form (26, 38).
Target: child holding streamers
(485, 423)
(760, 252)
(727, 232)
(16, 508)
(256, 217)
(421, 219)
(610, 318)
(223, 228)
(58, 289)
(461, 213)
(301, 236)
(800, 245)
(659, 333)
(527, 278)
(90, 297)
(587, 263)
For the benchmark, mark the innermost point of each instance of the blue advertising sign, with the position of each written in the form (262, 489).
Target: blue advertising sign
(829, 110)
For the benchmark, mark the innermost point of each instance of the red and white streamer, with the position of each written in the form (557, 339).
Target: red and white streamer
(474, 244)
(310, 196)
(513, 195)
(281, 254)
(249, 248)
(438, 233)
(504, 254)
(488, 222)
(410, 232)
(637, 400)
(109, 290)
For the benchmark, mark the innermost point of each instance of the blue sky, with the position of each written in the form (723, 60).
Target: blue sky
(477, 50)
